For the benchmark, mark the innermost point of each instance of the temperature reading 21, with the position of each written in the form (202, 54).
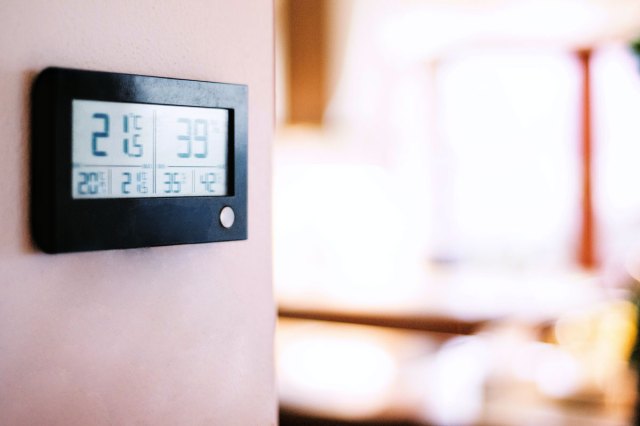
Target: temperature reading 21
(137, 150)
(131, 145)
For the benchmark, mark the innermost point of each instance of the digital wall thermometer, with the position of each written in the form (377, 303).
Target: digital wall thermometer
(123, 161)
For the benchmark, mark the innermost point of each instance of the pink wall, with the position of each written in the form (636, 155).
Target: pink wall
(164, 336)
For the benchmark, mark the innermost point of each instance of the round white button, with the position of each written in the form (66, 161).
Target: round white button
(227, 217)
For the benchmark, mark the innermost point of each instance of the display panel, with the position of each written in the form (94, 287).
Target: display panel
(131, 150)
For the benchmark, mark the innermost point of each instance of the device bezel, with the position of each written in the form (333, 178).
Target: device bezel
(61, 223)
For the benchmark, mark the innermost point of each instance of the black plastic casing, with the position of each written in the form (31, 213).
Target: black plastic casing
(60, 223)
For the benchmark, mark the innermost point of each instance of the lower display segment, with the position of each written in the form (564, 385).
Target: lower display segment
(136, 182)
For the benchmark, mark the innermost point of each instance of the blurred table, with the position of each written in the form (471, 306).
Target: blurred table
(427, 322)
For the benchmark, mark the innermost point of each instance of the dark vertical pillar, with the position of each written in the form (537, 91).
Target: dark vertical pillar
(306, 60)
(587, 250)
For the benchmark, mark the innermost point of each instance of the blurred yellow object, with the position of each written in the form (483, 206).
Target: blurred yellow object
(607, 331)
(602, 339)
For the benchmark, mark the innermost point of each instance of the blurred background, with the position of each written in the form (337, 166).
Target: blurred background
(457, 211)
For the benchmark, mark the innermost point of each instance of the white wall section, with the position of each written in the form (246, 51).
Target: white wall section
(177, 335)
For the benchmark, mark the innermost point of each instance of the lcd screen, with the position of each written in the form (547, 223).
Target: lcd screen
(132, 150)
